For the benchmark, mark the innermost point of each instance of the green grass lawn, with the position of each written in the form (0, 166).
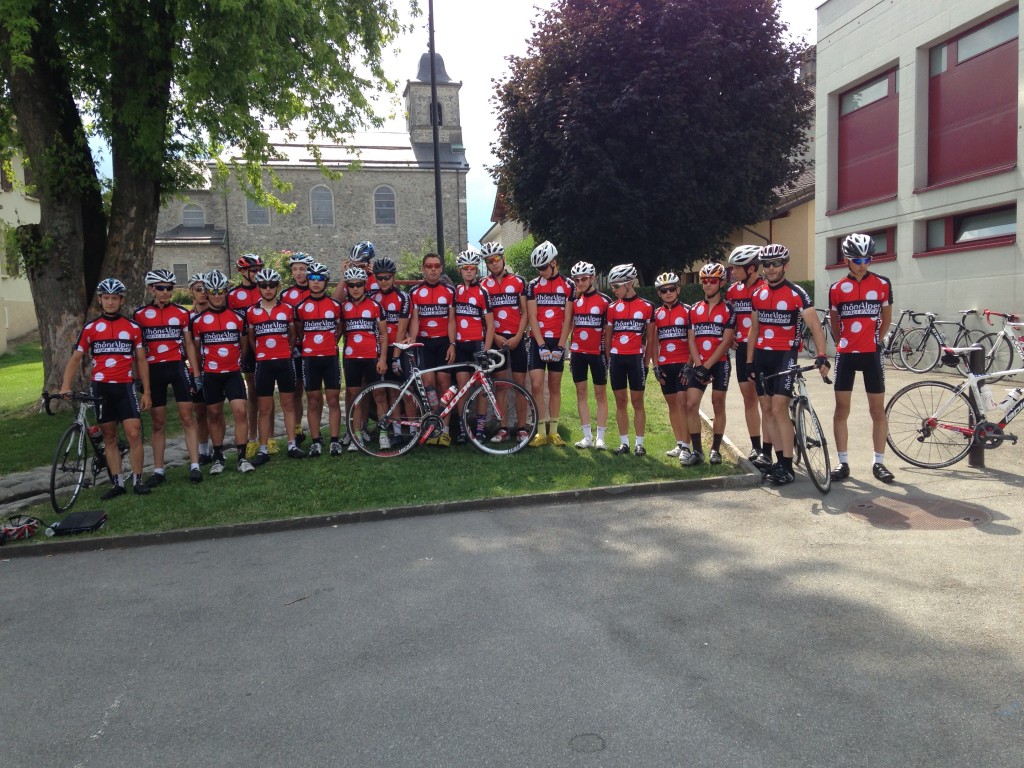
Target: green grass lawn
(291, 488)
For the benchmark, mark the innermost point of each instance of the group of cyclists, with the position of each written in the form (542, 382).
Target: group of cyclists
(243, 344)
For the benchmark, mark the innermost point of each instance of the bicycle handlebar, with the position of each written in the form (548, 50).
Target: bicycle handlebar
(74, 397)
(793, 369)
(1009, 317)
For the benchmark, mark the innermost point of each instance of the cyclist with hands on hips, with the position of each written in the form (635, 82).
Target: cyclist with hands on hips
(779, 307)
(589, 315)
(549, 300)
(672, 364)
(114, 342)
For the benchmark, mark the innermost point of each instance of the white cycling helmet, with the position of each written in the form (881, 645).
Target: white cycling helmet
(159, 276)
(111, 287)
(666, 278)
(470, 258)
(492, 249)
(774, 252)
(267, 275)
(623, 273)
(316, 270)
(354, 274)
(858, 246)
(583, 269)
(543, 255)
(196, 278)
(744, 255)
(300, 258)
(214, 280)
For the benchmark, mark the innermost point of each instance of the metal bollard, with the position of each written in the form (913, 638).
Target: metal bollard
(976, 456)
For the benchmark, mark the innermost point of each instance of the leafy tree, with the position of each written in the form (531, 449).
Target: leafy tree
(645, 131)
(169, 85)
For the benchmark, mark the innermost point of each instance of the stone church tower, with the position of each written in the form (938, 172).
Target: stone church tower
(417, 106)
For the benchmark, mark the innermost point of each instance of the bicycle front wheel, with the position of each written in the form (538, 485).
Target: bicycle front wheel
(891, 351)
(809, 348)
(813, 447)
(919, 351)
(392, 421)
(512, 408)
(68, 471)
(931, 424)
(998, 354)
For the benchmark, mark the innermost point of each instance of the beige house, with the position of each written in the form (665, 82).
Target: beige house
(17, 312)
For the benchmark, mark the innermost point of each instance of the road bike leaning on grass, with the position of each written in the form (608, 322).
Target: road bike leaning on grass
(933, 424)
(72, 470)
(407, 410)
(922, 348)
(1000, 346)
(810, 446)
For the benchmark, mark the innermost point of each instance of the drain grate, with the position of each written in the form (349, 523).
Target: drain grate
(920, 514)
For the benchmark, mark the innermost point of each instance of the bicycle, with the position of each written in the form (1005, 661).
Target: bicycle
(808, 338)
(810, 445)
(921, 348)
(933, 424)
(68, 473)
(408, 410)
(894, 340)
(1000, 345)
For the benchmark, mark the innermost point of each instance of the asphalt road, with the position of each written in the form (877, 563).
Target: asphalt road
(751, 627)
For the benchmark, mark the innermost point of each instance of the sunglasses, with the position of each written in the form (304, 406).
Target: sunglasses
(668, 289)
(384, 277)
(773, 263)
(215, 292)
(355, 285)
(620, 285)
(431, 266)
(494, 259)
(266, 286)
(545, 268)
(163, 287)
(317, 279)
(860, 260)
(710, 280)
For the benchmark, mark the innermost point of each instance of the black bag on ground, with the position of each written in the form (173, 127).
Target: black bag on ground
(86, 521)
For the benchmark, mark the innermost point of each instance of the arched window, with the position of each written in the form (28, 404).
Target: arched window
(321, 206)
(193, 216)
(384, 206)
(256, 214)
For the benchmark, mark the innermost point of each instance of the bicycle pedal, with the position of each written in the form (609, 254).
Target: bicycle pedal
(1011, 438)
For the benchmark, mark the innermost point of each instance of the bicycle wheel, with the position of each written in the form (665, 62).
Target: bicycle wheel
(920, 350)
(931, 424)
(68, 470)
(403, 413)
(809, 347)
(998, 354)
(813, 447)
(891, 351)
(507, 398)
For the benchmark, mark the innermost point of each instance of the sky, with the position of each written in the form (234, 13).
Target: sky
(474, 38)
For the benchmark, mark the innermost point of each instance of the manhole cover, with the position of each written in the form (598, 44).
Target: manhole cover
(920, 514)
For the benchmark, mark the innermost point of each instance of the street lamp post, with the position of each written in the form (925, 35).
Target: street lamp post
(439, 212)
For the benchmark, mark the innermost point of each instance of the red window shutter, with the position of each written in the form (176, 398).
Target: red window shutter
(867, 164)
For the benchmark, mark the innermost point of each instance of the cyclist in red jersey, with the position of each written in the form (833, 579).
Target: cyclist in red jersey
(507, 293)
(366, 348)
(394, 303)
(712, 327)
(474, 327)
(861, 312)
(271, 329)
(631, 341)
(672, 365)
(549, 299)
(779, 307)
(318, 323)
(240, 298)
(220, 333)
(298, 263)
(589, 315)
(432, 323)
(744, 264)
(168, 345)
(114, 342)
(200, 303)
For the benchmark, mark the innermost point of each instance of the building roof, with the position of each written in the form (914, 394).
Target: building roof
(439, 72)
(796, 192)
(182, 235)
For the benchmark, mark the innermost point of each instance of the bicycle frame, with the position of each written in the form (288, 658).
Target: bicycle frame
(1012, 331)
(971, 385)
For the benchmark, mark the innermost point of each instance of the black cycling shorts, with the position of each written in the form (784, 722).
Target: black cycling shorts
(533, 361)
(671, 372)
(173, 375)
(321, 373)
(360, 371)
(117, 402)
(464, 353)
(743, 370)
(280, 371)
(249, 362)
(515, 359)
(433, 353)
(220, 386)
(627, 370)
(769, 361)
(868, 363)
(583, 366)
(719, 376)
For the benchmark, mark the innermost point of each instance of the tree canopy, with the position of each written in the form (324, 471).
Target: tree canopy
(646, 131)
(169, 85)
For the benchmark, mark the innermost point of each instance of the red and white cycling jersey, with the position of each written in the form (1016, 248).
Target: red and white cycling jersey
(629, 319)
(673, 324)
(858, 305)
(163, 332)
(372, 286)
(589, 314)
(271, 330)
(219, 334)
(739, 295)
(360, 326)
(111, 342)
(320, 318)
(778, 315)
(395, 305)
(551, 297)
(241, 297)
(471, 304)
(504, 293)
(709, 323)
(294, 295)
(431, 303)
